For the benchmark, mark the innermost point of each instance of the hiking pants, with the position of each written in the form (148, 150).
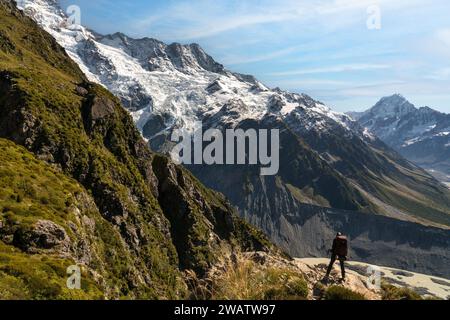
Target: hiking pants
(334, 257)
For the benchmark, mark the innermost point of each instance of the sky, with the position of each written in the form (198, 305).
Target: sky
(345, 53)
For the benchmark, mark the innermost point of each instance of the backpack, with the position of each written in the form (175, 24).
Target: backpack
(341, 246)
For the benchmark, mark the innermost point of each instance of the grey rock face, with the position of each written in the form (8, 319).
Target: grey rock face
(214, 87)
(136, 98)
(44, 235)
(96, 62)
(204, 60)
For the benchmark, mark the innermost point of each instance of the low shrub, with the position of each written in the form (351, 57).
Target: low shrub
(244, 279)
(391, 292)
(341, 293)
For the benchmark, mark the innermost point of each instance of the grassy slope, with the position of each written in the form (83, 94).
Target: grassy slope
(31, 190)
(41, 92)
(49, 107)
(411, 190)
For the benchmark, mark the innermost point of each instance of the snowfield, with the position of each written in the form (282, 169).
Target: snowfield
(179, 82)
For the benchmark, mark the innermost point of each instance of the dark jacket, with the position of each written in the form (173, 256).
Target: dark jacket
(340, 246)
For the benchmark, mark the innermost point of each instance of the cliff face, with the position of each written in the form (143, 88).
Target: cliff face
(276, 205)
(144, 219)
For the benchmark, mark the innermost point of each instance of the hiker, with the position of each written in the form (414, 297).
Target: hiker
(338, 251)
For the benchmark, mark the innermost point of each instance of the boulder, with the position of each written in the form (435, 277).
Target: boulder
(43, 236)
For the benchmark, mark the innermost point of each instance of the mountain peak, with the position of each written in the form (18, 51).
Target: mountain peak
(204, 60)
(395, 105)
(395, 98)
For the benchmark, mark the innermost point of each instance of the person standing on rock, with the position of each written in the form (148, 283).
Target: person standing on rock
(339, 251)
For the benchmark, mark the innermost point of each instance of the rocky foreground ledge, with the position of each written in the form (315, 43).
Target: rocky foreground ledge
(358, 275)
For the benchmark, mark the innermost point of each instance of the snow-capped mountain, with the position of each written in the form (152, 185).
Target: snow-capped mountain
(422, 135)
(179, 84)
(175, 86)
(329, 164)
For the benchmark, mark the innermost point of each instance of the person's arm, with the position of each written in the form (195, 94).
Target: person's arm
(333, 248)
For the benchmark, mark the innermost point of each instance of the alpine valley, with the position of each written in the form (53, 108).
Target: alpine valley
(334, 173)
(62, 88)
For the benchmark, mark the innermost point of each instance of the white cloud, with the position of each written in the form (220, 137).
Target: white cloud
(237, 22)
(333, 69)
(441, 42)
(200, 19)
(441, 74)
(298, 85)
(443, 36)
(235, 60)
(435, 45)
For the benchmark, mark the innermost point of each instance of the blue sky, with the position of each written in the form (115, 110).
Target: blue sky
(320, 47)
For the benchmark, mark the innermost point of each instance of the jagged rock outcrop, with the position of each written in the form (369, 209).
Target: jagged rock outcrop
(118, 219)
(43, 235)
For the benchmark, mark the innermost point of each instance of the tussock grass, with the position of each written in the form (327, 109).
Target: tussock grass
(240, 278)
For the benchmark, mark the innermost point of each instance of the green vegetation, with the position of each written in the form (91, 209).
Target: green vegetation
(307, 196)
(192, 210)
(82, 128)
(85, 171)
(240, 278)
(342, 293)
(390, 292)
(417, 203)
(24, 277)
(32, 191)
(24, 184)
